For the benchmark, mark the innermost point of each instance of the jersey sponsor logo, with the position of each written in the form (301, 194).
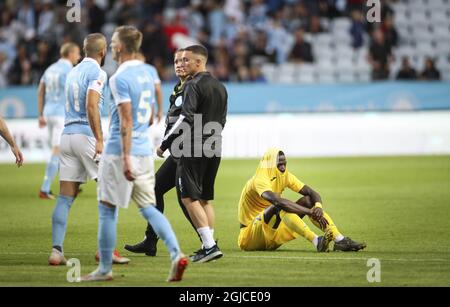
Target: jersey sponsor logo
(273, 178)
(179, 101)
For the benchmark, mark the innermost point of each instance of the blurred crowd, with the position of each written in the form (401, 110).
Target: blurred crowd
(240, 35)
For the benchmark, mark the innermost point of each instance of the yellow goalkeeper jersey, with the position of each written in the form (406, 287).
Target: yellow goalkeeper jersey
(267, 178)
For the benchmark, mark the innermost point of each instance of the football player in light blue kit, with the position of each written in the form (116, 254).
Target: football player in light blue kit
(82, 138)
(127, 168)
(51, 101)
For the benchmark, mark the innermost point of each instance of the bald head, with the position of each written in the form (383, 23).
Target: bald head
(95, 45)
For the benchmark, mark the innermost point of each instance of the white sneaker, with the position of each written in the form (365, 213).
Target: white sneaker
(56, 258)
(97, 276)
(177, 268)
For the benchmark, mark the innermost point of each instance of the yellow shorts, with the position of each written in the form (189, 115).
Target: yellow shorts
(260, 236)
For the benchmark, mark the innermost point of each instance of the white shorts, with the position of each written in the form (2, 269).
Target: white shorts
(77, 158)
(115, 189)
(55, 125)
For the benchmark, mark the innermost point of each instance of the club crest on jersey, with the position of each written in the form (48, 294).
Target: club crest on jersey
(179, 101)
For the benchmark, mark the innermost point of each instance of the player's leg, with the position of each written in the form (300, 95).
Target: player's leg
(85, 150)
(190, 173)
(209, 179)
(72, 173)
(341, 243)
(114, 191)
(55, 127)
(289, 226)
(254, 237)
(143, 195)
(164, 182)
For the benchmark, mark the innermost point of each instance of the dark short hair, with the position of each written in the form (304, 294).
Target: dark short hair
(199, 50)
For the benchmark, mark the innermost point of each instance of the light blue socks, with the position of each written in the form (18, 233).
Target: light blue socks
(162, 228)
(59, 219)
(107, 235)
(50, 173)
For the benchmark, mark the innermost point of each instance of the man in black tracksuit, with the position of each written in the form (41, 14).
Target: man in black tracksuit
(165, 176)
(201, 121)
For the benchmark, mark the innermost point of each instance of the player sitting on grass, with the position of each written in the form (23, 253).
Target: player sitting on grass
(268, 221)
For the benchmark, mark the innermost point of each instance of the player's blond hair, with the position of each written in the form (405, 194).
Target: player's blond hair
(66, 49)
(130, 37)
(94, 44)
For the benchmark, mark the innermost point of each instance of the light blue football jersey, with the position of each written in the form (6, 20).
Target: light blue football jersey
(154, 74)
(84, 77)
(54, 79)
(132, 83)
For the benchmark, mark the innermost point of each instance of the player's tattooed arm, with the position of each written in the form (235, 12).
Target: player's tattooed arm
(126, 127)
(285, 204)
(93, 113)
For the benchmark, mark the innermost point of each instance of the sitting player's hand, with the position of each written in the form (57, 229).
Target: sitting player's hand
(322, 222)
(317, 213)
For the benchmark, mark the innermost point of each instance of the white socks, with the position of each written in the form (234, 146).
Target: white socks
(339, 238)
(315, 241)
(207, 237)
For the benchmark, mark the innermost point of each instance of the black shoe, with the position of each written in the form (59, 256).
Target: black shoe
(348, 245)
(206, 255)
(147, 247)
(323, 242)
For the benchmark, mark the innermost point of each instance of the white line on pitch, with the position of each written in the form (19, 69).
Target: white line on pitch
(262, 257)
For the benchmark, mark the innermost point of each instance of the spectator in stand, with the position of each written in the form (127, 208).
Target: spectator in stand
(302, 50)
(26, 14)
(46, 21)
(40, 61)
(174, 25)
(357, 29)
(406, 72)
(20, 72)
(96, 17)
(430, 72)
(315, 25)
(155, 43)
(380, 56)
(390, 33)
(4, 68)
(256, 75)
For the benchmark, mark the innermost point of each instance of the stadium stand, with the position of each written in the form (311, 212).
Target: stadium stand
(249, 40)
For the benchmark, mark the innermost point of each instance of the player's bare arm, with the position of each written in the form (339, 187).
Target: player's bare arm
(315, 200)
(289, 206)
(40, 98)
(4, 132)
(126, 127)
(93, 99)
(159, 101)
(285, 204)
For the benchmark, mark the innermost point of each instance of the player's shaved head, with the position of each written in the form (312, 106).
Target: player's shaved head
(94, 45)
(130, 37)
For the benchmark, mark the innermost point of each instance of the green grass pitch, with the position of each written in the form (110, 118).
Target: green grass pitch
(399, 206)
